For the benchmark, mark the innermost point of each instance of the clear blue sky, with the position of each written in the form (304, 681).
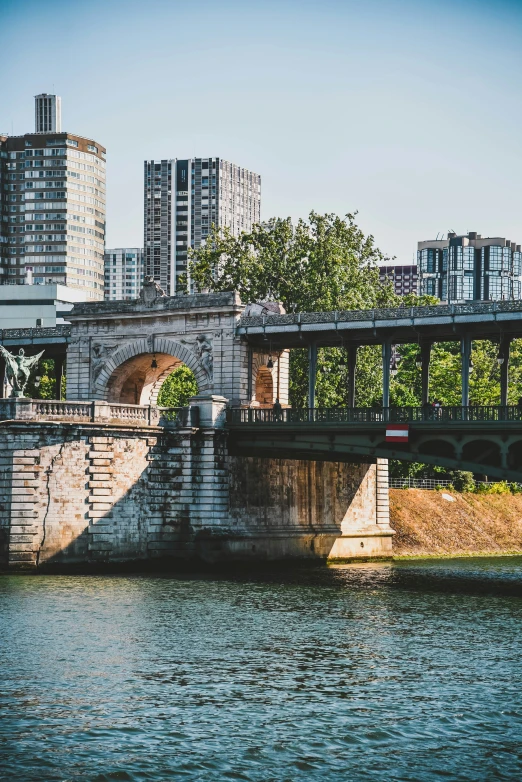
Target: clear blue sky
(409, 112)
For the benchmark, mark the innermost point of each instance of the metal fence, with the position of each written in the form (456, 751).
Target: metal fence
(372, 415)
(432, 484)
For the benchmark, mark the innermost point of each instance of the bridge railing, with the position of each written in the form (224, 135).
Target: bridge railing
(96, 412)
(374, 415)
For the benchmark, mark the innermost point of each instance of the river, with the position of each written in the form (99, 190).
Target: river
(404, 671)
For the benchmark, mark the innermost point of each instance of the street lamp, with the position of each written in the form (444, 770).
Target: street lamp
(500, 357)
(37, 381)
(394, 361)
(418, 362)
(154, 364)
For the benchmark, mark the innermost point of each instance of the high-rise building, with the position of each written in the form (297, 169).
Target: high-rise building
(182, 199)
(123, 273)
(404, 278)
(47, 113)
(470, 268)
(52, 209)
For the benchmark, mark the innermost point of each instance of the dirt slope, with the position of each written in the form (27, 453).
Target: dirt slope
(426, 523)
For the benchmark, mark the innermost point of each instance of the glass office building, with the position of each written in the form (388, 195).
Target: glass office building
(470, 268)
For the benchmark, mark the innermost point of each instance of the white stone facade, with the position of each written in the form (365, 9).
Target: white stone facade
(114, 344)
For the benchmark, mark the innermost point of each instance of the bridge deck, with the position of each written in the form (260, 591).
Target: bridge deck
(488, 320)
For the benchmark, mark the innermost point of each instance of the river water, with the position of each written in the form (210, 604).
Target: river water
(405, 671)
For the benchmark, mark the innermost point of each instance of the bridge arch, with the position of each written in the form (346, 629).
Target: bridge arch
(484, 451)
(129, 377)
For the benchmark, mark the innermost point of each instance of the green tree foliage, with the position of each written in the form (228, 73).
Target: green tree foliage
(177, 388)
(47, 388)
(323, 263)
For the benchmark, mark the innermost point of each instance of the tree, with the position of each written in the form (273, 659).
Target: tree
(323, 263)
(177, 388)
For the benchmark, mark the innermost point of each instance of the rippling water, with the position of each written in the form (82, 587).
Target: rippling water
(378, 672)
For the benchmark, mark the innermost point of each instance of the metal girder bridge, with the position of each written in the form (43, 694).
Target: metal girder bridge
(482, 440)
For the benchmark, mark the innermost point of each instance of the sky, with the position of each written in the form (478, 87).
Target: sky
(405, 111)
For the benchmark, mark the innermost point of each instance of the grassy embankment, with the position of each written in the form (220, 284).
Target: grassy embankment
(427, 525)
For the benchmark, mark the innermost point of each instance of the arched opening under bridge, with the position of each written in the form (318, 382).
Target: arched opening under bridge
(138, 381)
(264, 386)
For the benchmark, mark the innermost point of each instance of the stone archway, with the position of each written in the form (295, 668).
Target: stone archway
(264, 386)
(128, 375)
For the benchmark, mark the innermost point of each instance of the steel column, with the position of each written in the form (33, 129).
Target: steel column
(250, 359)
(425, 372)
(386, 358)
(466, 355)
(504, 349)
(352, 363)
(312, 373)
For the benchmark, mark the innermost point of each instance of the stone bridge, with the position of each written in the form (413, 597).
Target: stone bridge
(107, 477)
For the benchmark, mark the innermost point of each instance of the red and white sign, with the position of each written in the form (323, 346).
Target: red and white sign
(397, 433)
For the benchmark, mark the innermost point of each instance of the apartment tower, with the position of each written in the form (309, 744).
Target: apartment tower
(123, 273)
(47, 113)
(470, 268)
(182, 199)
(52, 207)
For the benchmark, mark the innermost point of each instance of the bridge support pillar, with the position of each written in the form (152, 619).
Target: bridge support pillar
(352, 363)
(466, 356)
(504, 351)
(386, 359)
(425, 372)
(365, 529)
(312, 373)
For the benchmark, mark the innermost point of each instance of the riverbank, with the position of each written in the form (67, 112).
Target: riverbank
(427, 524)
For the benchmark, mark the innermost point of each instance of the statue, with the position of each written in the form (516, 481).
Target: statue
(151, 291)
(100, 354)
(18, 370)
(265, 308)
(203, 349)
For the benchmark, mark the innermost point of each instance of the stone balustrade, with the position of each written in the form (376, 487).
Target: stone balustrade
(93, 412)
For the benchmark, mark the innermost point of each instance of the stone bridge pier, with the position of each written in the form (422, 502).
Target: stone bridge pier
(107, 477)
(100, 484)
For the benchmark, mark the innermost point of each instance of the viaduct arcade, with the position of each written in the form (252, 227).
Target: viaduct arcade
(105, 476)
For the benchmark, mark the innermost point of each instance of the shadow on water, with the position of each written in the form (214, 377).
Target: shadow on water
(500, 576)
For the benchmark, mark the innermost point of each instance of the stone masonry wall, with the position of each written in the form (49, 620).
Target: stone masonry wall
(90, 493)
(300, 507)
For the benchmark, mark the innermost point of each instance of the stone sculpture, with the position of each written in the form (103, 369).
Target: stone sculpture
(18, 370)
(100, 353)
(151, 291)
(202, 347)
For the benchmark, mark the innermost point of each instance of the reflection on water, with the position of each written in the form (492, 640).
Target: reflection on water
(408, 671)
